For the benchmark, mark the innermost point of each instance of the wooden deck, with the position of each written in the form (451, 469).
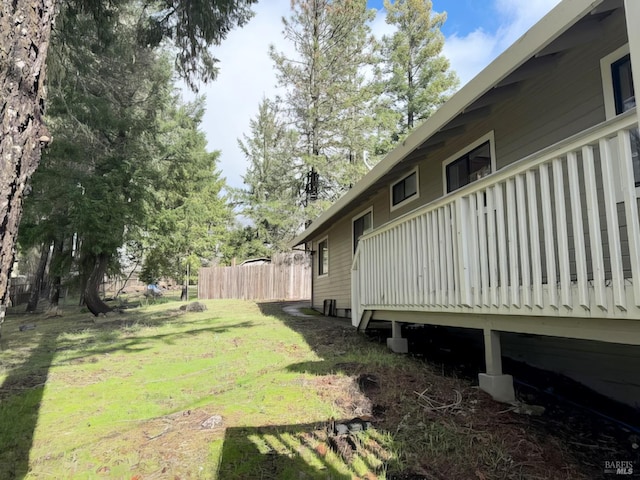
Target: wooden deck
(555, 235)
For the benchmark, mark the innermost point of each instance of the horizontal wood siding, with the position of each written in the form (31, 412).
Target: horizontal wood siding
(336, 285)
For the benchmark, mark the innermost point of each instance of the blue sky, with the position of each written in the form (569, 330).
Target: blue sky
(463, 16)
(476, 31)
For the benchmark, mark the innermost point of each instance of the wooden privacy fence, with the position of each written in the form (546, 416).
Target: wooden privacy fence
(288, 277)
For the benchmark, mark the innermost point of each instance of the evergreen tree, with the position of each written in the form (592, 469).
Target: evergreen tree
(418, 75)
(25, 34)
(272, 200)
(105, 98)
(190, 216)
(327, 96)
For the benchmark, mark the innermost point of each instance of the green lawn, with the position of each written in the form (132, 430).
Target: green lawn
(126, 398)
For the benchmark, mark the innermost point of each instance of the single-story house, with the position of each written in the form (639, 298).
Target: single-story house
(513, 209)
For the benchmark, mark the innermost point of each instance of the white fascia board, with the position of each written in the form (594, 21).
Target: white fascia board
(550, 27)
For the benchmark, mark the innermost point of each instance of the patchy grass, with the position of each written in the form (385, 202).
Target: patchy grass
(126, 398)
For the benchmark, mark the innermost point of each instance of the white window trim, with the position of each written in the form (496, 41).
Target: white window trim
(326, 274)
(490, 137)
(393, 207)
(607, 80)
(354, 218)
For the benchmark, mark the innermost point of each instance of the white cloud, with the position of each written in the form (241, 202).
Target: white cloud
(246, 71)
(470, 53)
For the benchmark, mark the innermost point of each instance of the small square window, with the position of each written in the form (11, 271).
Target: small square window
(404, 189)
(323, 257)
(468, 168)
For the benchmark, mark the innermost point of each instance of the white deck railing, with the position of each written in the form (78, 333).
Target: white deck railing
(554, 234)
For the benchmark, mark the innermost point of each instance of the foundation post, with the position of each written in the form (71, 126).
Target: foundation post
(494, 382)
(396, 343)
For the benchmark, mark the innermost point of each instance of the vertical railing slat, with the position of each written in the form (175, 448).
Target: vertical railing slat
(443, 256)
(512, 241)
(578, 229)
(534, 231)
(549, 235)
(493, 247)
(482, 245)
(436, 259)
(413, 262)
(403, 264)
(613, 228)
(422, 251)
(462, 234)
(502, 246)
(595, 235)
(630, 208)
(432, 256)
(449, 256)
(562, 235)
(387, 267)
(379, 268)
(456, 256)
(473, 249)
(523, 235)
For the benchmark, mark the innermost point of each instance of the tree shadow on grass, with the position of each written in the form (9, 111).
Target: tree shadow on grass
(35, 348)
(298, 451)
(138, 343)
(20, 397)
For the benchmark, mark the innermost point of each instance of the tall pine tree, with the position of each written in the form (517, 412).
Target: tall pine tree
(418, 76)
(272, 198)
(327, 96)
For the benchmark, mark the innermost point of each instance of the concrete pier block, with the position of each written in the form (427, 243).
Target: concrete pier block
(398, 345)
(500, 387)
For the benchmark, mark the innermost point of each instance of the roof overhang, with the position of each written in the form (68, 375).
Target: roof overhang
(528, 46)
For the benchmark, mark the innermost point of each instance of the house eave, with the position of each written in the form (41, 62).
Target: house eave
(537, 38)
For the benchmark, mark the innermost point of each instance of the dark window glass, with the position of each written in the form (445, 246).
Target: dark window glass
(323, 258)
(469, 168)
(405, 188)
(623, 85)
(361, 225)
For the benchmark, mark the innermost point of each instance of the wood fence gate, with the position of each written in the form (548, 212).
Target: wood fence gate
(287, 277)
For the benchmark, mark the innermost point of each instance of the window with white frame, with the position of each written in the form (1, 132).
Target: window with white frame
(619, 95)
(362, 224)
(405, 190)
(469, 165)
(323, 257)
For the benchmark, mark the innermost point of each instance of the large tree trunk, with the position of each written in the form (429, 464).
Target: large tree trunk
(36, 288)
(91, 293)
(25, 31)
